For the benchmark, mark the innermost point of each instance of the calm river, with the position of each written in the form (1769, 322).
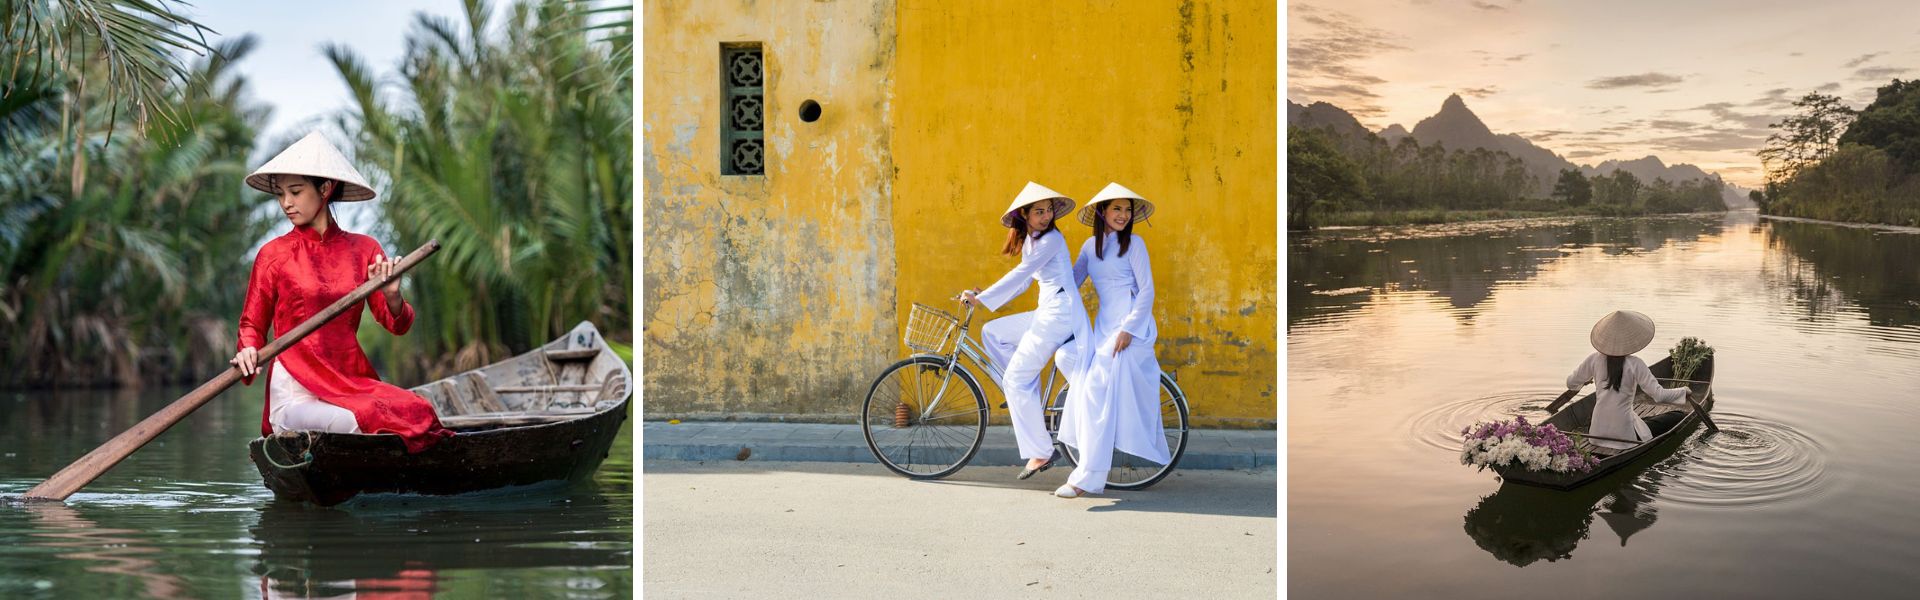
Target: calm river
(187, 517)
(1398, 338)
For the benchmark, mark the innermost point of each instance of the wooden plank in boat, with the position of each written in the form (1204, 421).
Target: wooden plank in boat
(582, 354)
(483, 394)
(509, 419)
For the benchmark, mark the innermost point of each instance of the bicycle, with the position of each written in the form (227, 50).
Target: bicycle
(925, 417)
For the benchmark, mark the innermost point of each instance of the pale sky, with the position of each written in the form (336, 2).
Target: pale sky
(1691, 82)
(287, 70)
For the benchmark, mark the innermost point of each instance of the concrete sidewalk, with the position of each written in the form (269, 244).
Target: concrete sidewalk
(817, 442)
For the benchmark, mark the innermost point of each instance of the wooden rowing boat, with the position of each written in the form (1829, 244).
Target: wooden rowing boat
(547, 415)
(1575, 418)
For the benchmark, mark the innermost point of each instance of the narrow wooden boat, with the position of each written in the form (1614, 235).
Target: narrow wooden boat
(1575, 418)
(545, 416)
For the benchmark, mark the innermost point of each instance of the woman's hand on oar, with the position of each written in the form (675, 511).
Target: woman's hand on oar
(247, 360)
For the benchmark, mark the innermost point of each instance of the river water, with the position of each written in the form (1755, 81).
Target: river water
(1398, 338)
(187, 517)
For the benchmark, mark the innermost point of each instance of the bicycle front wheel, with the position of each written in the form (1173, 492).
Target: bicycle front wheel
(924, 418)
(1129, 472)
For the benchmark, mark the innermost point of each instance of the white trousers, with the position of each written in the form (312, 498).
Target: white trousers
(1021, 345)
(296, 409)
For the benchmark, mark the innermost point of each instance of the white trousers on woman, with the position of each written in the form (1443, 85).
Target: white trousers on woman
(297, 409)
(1021, 345)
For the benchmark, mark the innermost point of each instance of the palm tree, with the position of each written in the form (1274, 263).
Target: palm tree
(133, 44)
(512, 145)
(134, 275)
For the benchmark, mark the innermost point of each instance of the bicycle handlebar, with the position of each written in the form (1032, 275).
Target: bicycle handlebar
(961, 298)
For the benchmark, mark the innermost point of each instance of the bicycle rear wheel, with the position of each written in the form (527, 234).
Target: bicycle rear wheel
(1129, 472)
(924, 419)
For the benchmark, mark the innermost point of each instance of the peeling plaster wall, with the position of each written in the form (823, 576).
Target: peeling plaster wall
(773, 294)
(1175, 100)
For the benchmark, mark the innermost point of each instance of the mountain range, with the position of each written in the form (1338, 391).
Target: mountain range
(1456, 127)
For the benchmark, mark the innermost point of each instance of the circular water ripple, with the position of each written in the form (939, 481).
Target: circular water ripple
(1439, 426)
(1749, 462)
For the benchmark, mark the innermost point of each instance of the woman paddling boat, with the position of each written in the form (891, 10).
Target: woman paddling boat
(324, 382)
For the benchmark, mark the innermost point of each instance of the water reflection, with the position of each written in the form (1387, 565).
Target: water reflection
(1521, 525)
(104, 550)
(1827, 269)
(307, 551)
(1339, 271)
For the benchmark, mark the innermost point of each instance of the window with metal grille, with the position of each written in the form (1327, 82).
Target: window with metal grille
(742, 145)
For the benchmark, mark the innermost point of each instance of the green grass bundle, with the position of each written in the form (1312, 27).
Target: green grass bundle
(1688, 355)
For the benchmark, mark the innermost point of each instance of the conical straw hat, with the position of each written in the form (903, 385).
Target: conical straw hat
(1142, 208)
(1032, 194)
(314, 156)
(1622, 333)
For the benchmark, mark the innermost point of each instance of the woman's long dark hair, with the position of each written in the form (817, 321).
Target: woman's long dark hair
(1615, 365)
(1100, 230)
(1017, 235)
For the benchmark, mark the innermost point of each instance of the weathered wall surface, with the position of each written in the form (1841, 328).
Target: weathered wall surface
(1175, 100)
(768, 294)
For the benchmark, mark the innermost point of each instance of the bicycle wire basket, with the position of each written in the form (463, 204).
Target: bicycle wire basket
(929, 329)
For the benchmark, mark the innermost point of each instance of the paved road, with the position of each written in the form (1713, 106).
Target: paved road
(726, 529)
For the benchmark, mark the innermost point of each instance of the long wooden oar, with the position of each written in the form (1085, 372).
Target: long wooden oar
(97, 462)
(1555, 407)
(1704, 417)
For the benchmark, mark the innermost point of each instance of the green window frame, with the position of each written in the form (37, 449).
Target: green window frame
(743, 78)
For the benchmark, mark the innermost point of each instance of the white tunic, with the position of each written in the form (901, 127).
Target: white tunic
(1022, 343)
(1116, 404)
(1613, 410)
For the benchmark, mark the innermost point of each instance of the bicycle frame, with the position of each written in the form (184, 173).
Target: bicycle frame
(965, 346)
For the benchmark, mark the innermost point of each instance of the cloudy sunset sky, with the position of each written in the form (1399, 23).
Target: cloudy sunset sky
(1691, 82)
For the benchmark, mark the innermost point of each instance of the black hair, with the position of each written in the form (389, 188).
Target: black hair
(319, 183)
(1615, 366)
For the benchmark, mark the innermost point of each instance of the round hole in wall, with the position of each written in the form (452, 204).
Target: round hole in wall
(809, 111)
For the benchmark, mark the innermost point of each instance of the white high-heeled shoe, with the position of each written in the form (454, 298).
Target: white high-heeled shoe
(1068, 491)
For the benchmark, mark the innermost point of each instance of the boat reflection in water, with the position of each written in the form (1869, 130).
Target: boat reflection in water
(1523, 524)
(313, 552)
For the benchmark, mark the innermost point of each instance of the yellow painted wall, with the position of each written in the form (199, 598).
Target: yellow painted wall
(1175, 100)
(773, 294)
(785, 294)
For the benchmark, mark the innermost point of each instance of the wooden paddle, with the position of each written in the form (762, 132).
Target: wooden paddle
(97, 462)
(1704, 417)
(1557, 402)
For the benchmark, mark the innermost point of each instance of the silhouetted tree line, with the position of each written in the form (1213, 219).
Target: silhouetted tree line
(1624, 193)
(1328, 172)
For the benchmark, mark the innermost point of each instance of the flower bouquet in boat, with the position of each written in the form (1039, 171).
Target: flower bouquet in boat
(1687, 357)
(1520, 444)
